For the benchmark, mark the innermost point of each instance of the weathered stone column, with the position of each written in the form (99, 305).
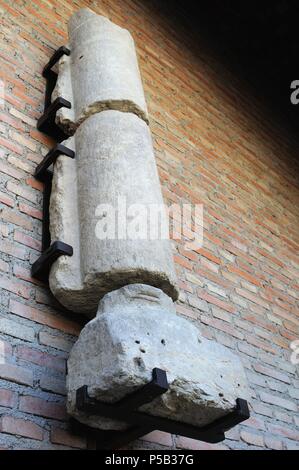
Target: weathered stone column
(101, 72)
(128, 282)
(114, 166)
(114, 169)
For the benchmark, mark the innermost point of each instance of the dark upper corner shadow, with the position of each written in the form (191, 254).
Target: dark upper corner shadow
(256, 41)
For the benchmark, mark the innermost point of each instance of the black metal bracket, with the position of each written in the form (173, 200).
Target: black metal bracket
(40, 269)
(47, 125)
(46, 122)
(41, 172)
(126, 410)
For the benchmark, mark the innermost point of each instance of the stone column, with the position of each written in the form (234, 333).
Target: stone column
(114, 169)
(128, 283)
(114, 166)
(101, 72)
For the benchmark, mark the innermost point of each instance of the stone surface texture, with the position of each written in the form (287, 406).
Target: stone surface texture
(114, 159)
(101, 72)
(122, 268)
(135, 330)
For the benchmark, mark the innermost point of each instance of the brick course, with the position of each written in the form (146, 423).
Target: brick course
(214, 144)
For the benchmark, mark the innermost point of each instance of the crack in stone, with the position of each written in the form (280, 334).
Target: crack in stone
(125, 106)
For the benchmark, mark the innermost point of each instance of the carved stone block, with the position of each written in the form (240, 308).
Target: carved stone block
(135, 330)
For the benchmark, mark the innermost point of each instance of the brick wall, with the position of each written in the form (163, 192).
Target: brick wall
(214, 145)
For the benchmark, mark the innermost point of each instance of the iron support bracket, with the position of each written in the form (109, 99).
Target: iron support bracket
(46, 122)
(40, 269)
(140, 423)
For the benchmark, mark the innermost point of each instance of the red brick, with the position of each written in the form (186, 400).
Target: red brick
(286, 315)
(24, 141)
(42, 138)
(21, 164)
(31, 211)
(288, 335)
(208, 255)
(8, 201)
(10, 170)
(55, 341)
(45, 318)
(203, 273)
(260, 321)
(52, 384)
(15, 287)
(16, 374)
(222, 326)
(8, 398)
(159, 437)
(14, 101)
(185, 287)
(271, 373)
(11, 121)
(273, 443)
(188, 254)
(20, 190)
(260, 344)
(252, 297)
(283, 431)
(214, 300)
(61, 436)
(252, 438)
(256, 423)
(279, 401)
(24, 274)
(272, 258)
(188, 312)
(13, 250)
(239, 253)
(21, 427)
(193, 444)
(22, 117)
(11, 145)
(35, 184)
(40, 407)
(41, 358)
(183, 262)
(16, 219)
(4, 266)
(283, 343)
(27, 240)
(243, 274)
(262, 409)
(209, 265)
(212, 238)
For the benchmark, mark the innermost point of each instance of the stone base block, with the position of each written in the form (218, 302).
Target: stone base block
(137, 329)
